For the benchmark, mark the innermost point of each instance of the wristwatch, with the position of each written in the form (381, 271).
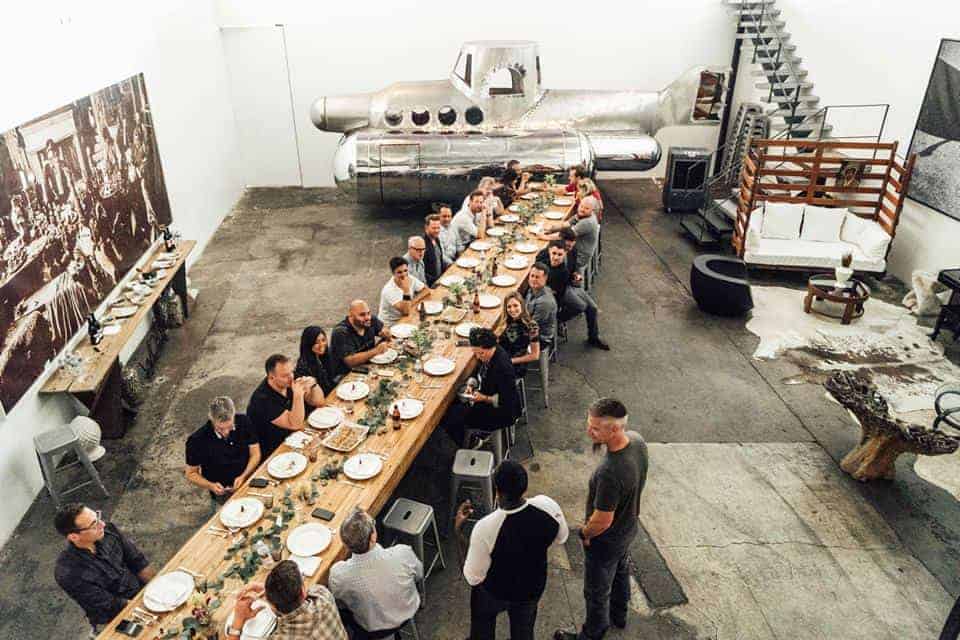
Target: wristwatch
(406, 296)
(233, 633)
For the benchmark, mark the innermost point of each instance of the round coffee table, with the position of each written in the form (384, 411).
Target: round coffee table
(851, 294)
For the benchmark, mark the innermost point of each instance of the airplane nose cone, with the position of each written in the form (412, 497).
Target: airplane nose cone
(318, 113)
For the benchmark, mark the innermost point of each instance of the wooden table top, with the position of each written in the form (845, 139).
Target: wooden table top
(98, 359)
(204, 552)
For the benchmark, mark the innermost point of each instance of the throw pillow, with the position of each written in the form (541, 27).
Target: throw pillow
(874, 241)
(782, 220)
(853, 227)
(822, 224)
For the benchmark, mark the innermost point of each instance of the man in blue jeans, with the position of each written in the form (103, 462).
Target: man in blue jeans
(613, 505)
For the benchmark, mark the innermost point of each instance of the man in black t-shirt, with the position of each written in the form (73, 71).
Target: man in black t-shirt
(279, 404)
(506, 563)
(354, 340)
(612, 513)
(222, 453)
(572, 298)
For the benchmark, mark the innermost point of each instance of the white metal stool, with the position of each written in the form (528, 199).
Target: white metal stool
(52, 444)
(474, 470)
(412, 520)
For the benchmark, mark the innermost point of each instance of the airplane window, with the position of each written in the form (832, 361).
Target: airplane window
(463, 67)
(505, 81)
(447, 115)
(474, 115)
(420, 117)
(393, 117)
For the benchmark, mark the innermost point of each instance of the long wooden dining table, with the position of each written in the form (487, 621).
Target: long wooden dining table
(206, 553)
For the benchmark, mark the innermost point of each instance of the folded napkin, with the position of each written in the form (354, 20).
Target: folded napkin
(308, 564)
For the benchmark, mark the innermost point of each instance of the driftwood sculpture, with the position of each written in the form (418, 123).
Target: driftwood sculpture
(882, 438)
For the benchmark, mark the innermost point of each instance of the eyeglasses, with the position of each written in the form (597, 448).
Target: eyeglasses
(96, 522)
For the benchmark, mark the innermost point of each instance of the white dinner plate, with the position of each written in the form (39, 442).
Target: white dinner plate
(162, 264)
(496, 232)
(298, 439)
(480, 245)
(563, 202)
(432, 307)
(111, 329)
(463, 329)
(241, 512)
(410, 408)
(515, 207)
(386, 357)
(509, 217)
(362, 466)
(325, 417)
(439, 366)
(159, 273)
(529, 196)
(123, 312)
(260, 626)
(450, 280)
(309, 539)
(287, 465)
(167, 592)
(353, 390)
(515, 262)
(525, 247)
(490, 301)
(402, 330)
(467, 262)
(503, 280)
(553, 215)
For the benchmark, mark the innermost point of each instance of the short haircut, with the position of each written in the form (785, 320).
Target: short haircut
(510, 480)
(431, 218)
(66, 519)
(356, 529)
(222, 409)
(566, 233)
(592, 201)
(557, 244)
(476, 193)
(580, 171)
(608, 408)
(271, 364)
(284, 586)
(442, 205)
(511, 162)
(482, 337)
(395, 262)
(542, 268)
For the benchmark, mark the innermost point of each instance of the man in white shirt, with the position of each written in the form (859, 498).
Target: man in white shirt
(470, 222)
(401, 294)
(507, 561)
(448, 236)
(377, 586)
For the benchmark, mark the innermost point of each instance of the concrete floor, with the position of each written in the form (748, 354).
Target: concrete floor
(767, 538)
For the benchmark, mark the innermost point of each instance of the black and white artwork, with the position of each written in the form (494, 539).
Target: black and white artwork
(936, 139)
(81, 198)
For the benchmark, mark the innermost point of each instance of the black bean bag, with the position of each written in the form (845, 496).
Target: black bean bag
(719, 285)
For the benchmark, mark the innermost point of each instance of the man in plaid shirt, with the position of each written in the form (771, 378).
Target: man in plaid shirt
(301, 615)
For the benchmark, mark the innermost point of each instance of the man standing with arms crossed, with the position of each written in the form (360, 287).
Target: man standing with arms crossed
(613, 505)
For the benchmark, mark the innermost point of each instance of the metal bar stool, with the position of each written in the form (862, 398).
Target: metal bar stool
(548, 354)
(412, 520)
(52, 444)
(472, 470)
(522, 392)
(492, 441)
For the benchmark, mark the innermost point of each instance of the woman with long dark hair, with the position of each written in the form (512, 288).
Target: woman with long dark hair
(521, 334)
(313, 358)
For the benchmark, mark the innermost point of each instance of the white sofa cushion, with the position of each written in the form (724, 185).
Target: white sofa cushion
(822, 224)
(782, 220)
(808, 254)
(874, 240)
(755, 227)
(853, 226)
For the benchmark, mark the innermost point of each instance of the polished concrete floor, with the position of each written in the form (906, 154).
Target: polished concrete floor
(749, 518)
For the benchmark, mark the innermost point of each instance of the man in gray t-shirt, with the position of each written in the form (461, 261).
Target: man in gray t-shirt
(612, 510)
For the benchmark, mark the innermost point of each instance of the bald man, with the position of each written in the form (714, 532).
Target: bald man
(416, 247)
(353, 340)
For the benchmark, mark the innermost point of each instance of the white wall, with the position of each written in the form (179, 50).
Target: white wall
(346, 47)
(882, 52)
(55, 52)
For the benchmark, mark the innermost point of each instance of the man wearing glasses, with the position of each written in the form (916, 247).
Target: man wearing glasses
(101, 568)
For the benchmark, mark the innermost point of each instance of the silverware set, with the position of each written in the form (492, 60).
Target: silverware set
(144, 616)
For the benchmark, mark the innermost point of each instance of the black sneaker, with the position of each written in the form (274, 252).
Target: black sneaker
(564, 635)
(619, 624)
(598, 344)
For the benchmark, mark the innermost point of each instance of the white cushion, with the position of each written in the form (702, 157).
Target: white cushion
(822, 224)
(755, 227)
(853, 226)
(808, 254)
(874, 240)
(782, 220)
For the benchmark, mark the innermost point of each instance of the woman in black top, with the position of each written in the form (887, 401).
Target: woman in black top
(313, 358)
(521, 335)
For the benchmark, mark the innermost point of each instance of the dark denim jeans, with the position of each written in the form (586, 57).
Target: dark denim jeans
(484, 608)
(606, 589)
(951, 628)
